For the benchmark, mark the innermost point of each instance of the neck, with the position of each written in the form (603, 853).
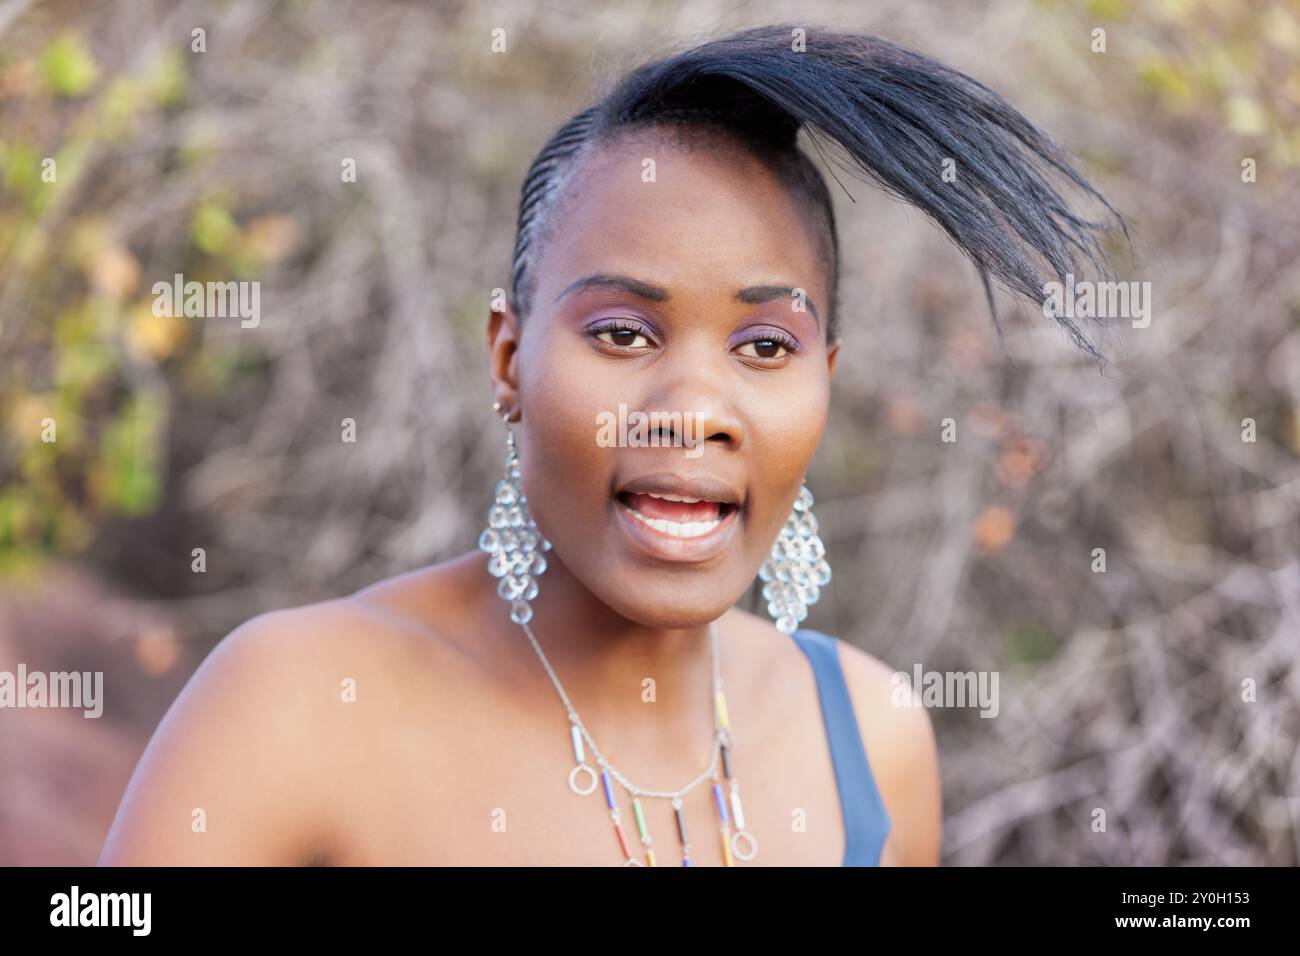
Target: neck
(638, 689)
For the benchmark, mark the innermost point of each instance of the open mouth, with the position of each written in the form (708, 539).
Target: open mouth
(679, 519)
(677, 516)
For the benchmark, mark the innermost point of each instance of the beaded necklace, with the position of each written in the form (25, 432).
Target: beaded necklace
(517, 557)
(737, 843)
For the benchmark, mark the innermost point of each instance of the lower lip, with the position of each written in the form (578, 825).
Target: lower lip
(666, 547)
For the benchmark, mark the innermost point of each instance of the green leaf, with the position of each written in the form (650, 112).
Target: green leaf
(69, 68)
(1028, 642)
(167, 81)
(213, 230)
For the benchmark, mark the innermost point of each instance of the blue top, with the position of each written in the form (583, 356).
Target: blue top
(866, 822)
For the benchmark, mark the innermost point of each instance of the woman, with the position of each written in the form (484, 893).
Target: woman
(587, 693)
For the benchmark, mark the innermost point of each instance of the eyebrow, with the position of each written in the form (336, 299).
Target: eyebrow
(751, 295)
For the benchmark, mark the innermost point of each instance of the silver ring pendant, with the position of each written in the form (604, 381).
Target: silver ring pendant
(752, 844)
(574, 787)
(632, 862)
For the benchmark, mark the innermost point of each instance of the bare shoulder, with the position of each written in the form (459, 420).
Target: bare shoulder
(375, 634)
(227, 777)
(901, 748)
(243, 767)
(299, 640)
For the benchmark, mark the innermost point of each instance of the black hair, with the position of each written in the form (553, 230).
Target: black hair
(885, 112)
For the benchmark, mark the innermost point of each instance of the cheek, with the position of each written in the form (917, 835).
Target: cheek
(786, 420)
(565, 470)
(786, 427)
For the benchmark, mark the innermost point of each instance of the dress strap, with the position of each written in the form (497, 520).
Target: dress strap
(866, 821)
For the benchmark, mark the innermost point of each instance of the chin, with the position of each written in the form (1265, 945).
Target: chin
(675, 604)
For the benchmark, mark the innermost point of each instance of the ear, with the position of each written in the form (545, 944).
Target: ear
(832, 351)
(503, 350)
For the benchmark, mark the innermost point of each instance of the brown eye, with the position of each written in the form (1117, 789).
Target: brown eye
(764, 349)
(623, 338)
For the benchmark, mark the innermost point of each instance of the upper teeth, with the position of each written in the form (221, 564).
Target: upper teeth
(678, 529)
(689, 501)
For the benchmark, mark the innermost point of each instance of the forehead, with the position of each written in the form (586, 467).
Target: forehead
(681, 208)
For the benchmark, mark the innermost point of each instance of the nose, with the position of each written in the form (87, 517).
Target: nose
(701, 388)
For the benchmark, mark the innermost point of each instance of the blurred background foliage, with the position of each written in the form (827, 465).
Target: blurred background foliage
(127, 156)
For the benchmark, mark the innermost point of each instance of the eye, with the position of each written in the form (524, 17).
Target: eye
(622, 335)
(625, 338)
(769, 347)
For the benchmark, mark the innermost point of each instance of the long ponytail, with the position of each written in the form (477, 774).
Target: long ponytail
(891, 116)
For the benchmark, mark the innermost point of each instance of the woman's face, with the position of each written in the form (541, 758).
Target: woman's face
(669, 294)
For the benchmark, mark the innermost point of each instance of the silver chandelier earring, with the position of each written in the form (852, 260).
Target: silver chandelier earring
(796, 569)
(514, 544)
